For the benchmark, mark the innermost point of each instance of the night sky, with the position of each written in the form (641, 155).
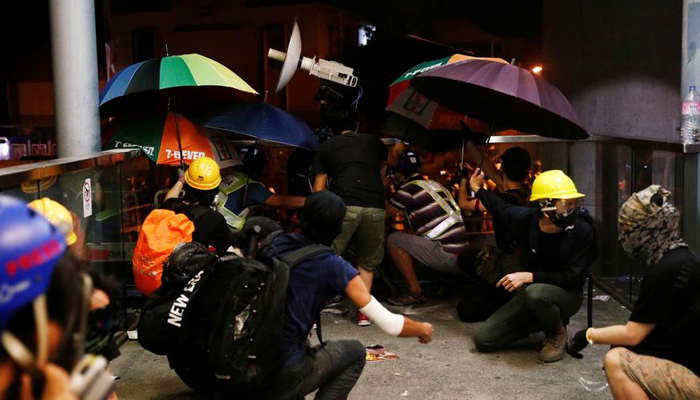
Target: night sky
(24, 25)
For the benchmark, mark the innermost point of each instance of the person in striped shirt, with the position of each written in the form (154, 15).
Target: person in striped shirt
(435, 219)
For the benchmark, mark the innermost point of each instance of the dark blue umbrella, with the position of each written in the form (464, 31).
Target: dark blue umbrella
(263, 122)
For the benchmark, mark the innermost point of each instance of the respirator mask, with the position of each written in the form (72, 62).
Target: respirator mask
(562, 212)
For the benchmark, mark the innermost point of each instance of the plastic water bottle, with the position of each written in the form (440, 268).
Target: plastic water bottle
(690, 117)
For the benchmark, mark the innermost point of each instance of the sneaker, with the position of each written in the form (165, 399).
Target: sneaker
(362, 320)
(407, 299)
(554, 345)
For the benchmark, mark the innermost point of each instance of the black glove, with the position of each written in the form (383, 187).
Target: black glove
(462, 173)
(577, 343)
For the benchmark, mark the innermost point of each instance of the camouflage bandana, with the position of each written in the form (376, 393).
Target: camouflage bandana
(646, 230)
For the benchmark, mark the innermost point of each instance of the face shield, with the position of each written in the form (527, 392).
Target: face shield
(562, 211)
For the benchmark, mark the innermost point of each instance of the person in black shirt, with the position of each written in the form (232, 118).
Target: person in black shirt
(560, 239)
(201, 185)
(354, 164)
(659, 353)
(487, 264)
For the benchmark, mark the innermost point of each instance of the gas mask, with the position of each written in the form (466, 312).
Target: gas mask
(562, 212)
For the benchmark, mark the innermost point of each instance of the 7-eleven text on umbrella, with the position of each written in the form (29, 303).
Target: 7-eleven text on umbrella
(187, 154)
(146, 149)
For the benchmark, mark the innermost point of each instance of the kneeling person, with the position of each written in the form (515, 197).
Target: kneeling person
(561, 242)
(334, 367)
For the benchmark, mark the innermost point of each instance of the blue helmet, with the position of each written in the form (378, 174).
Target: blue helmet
(30, 246)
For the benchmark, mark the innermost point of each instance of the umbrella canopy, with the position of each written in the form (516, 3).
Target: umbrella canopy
(138, 84)
(502, 94)
(433, 140)
(155, 134)
(424, 123)
(264, 122)
(404, 100)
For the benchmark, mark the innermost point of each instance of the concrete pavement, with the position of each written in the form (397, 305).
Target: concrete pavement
(448, 368)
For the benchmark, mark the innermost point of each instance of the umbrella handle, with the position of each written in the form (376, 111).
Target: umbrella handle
(177, 130)
(486, 144)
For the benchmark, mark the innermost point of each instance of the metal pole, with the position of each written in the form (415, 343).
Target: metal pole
(690, 75)
(690, 59)
(74, 60)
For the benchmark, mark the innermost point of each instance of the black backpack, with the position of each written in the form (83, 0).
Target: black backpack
(248, 328)
(164, 324)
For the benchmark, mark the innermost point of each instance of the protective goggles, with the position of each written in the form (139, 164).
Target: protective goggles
(563, 207)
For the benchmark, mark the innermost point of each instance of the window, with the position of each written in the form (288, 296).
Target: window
(143, 44)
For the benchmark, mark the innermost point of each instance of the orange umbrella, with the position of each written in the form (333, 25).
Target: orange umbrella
(156, 136)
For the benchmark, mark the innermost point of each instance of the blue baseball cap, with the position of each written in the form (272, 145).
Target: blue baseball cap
(30, 247)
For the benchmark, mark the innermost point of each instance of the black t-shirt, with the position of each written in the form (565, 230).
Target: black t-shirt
(210, 228)
(352, 162)
(667, 291)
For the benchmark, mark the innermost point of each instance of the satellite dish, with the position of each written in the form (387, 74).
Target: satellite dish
(292, 60)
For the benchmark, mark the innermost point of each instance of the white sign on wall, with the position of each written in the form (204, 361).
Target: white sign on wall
(87, 198)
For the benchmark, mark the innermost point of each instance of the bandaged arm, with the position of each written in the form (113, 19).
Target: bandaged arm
(388, 322)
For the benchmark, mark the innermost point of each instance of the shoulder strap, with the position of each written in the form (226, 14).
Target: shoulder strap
(197, 211)
(303, 253)
(268, 240)
(300, 255)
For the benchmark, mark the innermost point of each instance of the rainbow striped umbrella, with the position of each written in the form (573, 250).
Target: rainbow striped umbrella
(150, 85)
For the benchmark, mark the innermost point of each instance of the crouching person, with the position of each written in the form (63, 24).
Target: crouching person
(659, 353)
(333, 367)
(561, 240)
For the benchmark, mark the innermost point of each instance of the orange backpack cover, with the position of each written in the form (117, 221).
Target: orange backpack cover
(160, 233)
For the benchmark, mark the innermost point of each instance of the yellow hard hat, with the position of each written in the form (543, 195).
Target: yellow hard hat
(203, 174)
(56, 214)
(554, 184)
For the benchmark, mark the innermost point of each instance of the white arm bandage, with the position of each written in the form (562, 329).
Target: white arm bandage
(388, 322)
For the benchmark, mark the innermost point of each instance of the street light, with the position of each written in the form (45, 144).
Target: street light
(536, 69)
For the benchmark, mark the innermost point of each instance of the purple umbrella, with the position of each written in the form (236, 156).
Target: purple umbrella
(504, 95)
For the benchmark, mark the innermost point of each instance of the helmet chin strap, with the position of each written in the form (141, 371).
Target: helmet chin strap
(41, 320)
